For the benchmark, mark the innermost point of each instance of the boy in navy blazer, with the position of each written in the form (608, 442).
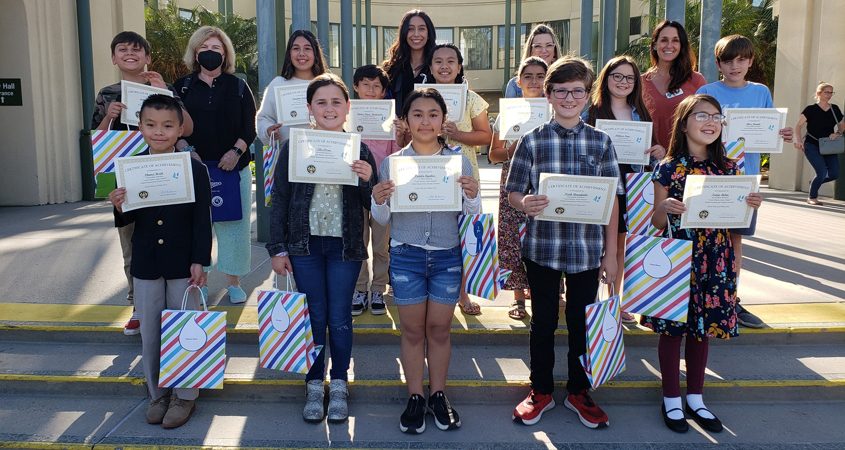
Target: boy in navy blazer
(170, 246)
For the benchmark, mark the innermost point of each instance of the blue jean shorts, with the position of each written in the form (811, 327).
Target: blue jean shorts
(417, 275)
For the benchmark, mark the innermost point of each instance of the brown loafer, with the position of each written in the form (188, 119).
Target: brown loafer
(157, 409)
(178, 413)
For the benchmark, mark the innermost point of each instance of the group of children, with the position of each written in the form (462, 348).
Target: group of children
(319, 232)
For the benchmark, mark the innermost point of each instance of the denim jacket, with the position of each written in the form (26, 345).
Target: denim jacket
(290, 229)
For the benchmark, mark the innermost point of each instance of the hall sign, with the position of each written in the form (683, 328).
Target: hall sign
(10, 92)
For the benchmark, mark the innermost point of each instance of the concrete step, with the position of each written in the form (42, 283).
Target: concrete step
(108, 422)
(478, 373)
(814, 323)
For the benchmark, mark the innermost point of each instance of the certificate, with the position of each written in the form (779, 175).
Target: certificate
(133, 95)
(155, 180)
(323, 157)
(455, 96)
(579, 199)
(372, 119)
(757, 127)
(518, 116)
(426, 183)
(291, 104)
(718, 201)
(630, 139)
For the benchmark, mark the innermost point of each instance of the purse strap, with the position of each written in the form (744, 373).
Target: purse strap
(835, 122)
(202, 297)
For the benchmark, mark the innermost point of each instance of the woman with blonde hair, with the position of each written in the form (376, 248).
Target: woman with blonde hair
(542, 42)
(823, 120)
(223, 110)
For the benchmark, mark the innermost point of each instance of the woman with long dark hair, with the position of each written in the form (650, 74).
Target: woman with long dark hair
(407, 56)
(671, 77)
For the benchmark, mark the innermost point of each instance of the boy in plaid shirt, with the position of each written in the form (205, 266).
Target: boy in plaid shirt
(584, 253)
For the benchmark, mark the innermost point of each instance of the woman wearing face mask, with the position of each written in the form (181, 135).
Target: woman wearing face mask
(223, 110)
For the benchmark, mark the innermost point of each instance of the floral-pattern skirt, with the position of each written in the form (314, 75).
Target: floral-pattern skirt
(510, 255)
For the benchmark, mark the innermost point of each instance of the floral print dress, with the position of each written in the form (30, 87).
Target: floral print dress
(712, 308)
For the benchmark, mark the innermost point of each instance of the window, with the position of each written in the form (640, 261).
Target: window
(594, 55)
(388, 35)
(186, 14)
(561, 29)
(636, 26)
(476, 47)
(332, 49)
(523, 37)
(373, 45)
(445, 35)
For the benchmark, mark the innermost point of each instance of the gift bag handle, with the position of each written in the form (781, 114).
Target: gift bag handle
(288, 283)
(601, 286)
(202, 297)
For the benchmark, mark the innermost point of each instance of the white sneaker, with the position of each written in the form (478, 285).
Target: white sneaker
(359, 302)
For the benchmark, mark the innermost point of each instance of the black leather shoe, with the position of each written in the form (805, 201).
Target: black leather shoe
(676, 425)
(713, 425)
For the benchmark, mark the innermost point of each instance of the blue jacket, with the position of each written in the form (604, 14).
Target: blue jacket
(290, 229)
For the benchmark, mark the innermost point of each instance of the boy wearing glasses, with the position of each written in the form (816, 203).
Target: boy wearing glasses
(734, 57)
(584, 253)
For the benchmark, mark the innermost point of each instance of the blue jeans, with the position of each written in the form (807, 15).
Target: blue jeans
(328, 283)
(417, 275)
(826, 167)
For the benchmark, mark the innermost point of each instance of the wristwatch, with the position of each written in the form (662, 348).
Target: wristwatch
(237, 150)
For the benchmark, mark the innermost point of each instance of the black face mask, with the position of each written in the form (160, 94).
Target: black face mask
(210, 59)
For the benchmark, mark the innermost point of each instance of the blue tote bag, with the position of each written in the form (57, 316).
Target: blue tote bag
(225, 193)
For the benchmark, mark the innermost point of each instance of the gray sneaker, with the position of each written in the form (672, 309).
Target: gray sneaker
(377, 307)
(359, 302)
(315, 395)
(338, 409)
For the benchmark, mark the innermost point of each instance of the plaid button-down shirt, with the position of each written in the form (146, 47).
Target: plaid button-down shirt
(551, 148)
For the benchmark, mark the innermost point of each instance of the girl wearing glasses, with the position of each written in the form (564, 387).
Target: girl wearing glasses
(695, 149)
(542, 43)
(618, 96)
(671, 78)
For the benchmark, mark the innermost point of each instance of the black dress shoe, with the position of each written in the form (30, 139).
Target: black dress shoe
(676, 425)
(713, 425)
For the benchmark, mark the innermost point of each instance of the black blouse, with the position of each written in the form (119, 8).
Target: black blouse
(223, 113)
(820, 123)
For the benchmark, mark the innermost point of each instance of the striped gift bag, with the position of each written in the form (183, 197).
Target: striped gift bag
(285, 339)
(270, 154)
(480, 255)
(736, 151)
(640, 204)
(657, 277)
(193, 347)
(605, 356)
(107, 145)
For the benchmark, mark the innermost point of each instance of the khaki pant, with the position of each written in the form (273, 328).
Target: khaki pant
(380, 256)
(153, 297)
(125, 234)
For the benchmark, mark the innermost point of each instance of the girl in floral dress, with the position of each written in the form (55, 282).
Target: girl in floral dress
(695, 149)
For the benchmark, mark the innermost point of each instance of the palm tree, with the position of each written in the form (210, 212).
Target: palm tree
(169, 29)
(738, 17)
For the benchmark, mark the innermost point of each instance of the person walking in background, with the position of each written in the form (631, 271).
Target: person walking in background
(223, 110)
(822, 119)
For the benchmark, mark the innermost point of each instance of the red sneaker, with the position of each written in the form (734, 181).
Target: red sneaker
(133, 326)
(588, 412)
(530, 410)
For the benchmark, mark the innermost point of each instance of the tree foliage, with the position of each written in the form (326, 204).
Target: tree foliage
(168, 33)
(738, 17)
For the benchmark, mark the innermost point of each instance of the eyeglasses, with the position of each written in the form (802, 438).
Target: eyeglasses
(618, 77)
(542, 46)
(704, 117)
(828, 92)
(577, 93)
